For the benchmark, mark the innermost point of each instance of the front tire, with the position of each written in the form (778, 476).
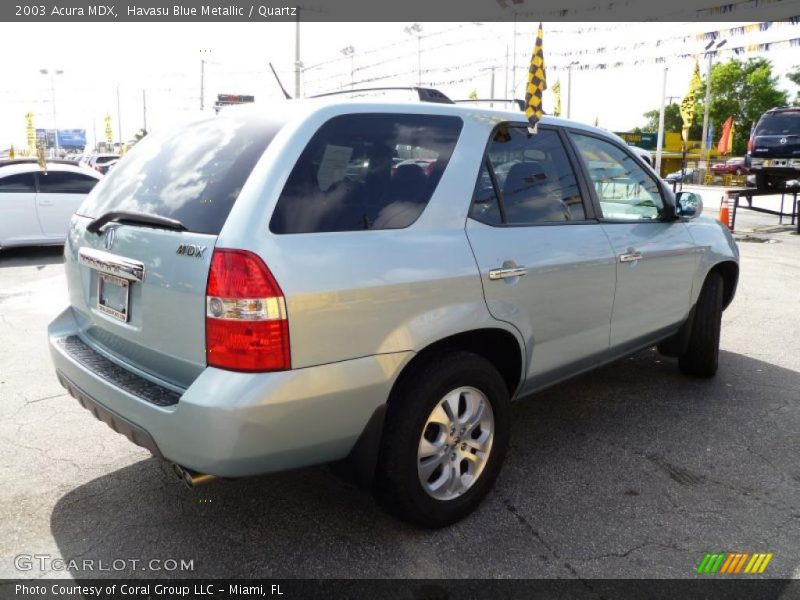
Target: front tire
(701, 358)
(446, 435)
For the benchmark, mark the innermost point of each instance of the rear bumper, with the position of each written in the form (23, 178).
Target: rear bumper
(237, 424)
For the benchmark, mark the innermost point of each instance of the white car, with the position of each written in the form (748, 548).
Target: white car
(35, 207)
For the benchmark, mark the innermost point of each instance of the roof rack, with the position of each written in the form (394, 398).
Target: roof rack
(519, 103)
(424, 94)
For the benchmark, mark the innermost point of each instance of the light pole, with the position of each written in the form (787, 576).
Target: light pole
(351, 52)
(569, 88)
(52, 73)
(298, 64)
(416, 29)
(710, 54)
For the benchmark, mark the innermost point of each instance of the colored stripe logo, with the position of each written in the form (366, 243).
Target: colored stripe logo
(734, 563)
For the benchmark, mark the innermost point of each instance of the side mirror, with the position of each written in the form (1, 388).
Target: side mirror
(688, 205)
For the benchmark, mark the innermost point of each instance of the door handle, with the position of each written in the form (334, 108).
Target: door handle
(630, 256)
(45, 203)
(505, 273)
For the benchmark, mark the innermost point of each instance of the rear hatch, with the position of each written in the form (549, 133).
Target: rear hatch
(140, 247)
(777, 135)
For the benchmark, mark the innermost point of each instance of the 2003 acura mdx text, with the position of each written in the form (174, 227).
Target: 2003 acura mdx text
(321, 279)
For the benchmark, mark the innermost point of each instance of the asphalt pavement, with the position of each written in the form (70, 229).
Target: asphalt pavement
(629, 471)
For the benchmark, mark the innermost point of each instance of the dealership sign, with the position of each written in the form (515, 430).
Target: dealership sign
(647, 141)
(67, 138)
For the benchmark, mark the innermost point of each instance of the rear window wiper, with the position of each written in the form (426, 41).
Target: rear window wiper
(134, 218)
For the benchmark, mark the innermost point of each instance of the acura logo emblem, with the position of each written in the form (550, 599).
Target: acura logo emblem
(108, 241)
(783, 140)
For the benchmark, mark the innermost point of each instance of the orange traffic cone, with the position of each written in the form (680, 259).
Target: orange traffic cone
(724, 213)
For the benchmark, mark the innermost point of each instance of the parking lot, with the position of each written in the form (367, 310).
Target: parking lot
(629, 471)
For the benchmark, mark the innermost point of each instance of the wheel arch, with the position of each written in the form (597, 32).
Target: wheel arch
(502, 348)
(499, 346)
(729, 270)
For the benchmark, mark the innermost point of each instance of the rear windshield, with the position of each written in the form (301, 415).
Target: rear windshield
(366, 171)
(779, 124)
(193, 175)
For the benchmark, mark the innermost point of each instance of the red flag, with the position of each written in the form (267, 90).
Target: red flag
(726, 141)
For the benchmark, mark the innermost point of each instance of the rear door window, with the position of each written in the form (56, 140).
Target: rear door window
(19, 183)
(533, 177)
(65, 182)
(366, 171)
(193, 175)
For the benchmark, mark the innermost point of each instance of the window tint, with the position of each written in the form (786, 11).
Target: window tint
(64, 182)
(534, 178)
(366, 171)
(485, 203)
(779, 124)
(626, 191)
(18, 184)
(193, 175)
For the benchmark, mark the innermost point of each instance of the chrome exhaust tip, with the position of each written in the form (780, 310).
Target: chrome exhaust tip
(190, 478)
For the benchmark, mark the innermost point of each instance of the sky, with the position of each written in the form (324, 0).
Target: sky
(159, 65)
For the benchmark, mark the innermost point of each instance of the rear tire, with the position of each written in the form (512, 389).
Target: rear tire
(465, 469)
(701, 358)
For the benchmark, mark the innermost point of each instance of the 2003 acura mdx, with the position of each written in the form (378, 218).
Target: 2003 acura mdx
(297, 283)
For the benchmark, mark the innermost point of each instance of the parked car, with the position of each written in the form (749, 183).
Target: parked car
(773, 151)
(262, 304)
(36, 206)
(96, 161)
(732, 166)
(105, 167)
(679, 176)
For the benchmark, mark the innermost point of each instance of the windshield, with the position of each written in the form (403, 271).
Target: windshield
(779, 124)
(193, 175)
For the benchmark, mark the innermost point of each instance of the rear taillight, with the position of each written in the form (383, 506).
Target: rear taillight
(750, 145)
(246, 325)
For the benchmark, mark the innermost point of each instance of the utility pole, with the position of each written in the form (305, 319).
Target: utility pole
(514, 60)
(298, 65)
(52, 73)
(202, 83)
(416, 29)
(505, 83)
(569, 91)
(350, 51)
(660, 138)
(144, 109)
(491, 87)
(119, 118)
(704, 144)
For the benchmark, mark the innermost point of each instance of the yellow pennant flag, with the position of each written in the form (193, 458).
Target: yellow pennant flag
(109, 132)
(557, 94)
(687, 104)
(537, 81)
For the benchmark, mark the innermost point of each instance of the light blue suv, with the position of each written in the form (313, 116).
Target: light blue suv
(315, 280)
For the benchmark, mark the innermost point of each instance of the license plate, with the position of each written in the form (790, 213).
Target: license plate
(113, 296)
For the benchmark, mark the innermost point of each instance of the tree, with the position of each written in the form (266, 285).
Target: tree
(794, 77)
(673, 123)
(743, 90)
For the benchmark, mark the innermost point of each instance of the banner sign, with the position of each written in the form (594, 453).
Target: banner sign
(67, 138)
(648, 141)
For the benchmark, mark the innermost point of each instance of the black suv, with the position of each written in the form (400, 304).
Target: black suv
(773, 152)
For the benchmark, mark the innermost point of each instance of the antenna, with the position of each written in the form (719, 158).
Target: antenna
(278, 79)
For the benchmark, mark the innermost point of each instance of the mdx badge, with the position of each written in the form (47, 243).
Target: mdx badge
(191, 250)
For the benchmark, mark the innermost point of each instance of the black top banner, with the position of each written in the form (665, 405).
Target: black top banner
(400, 11)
